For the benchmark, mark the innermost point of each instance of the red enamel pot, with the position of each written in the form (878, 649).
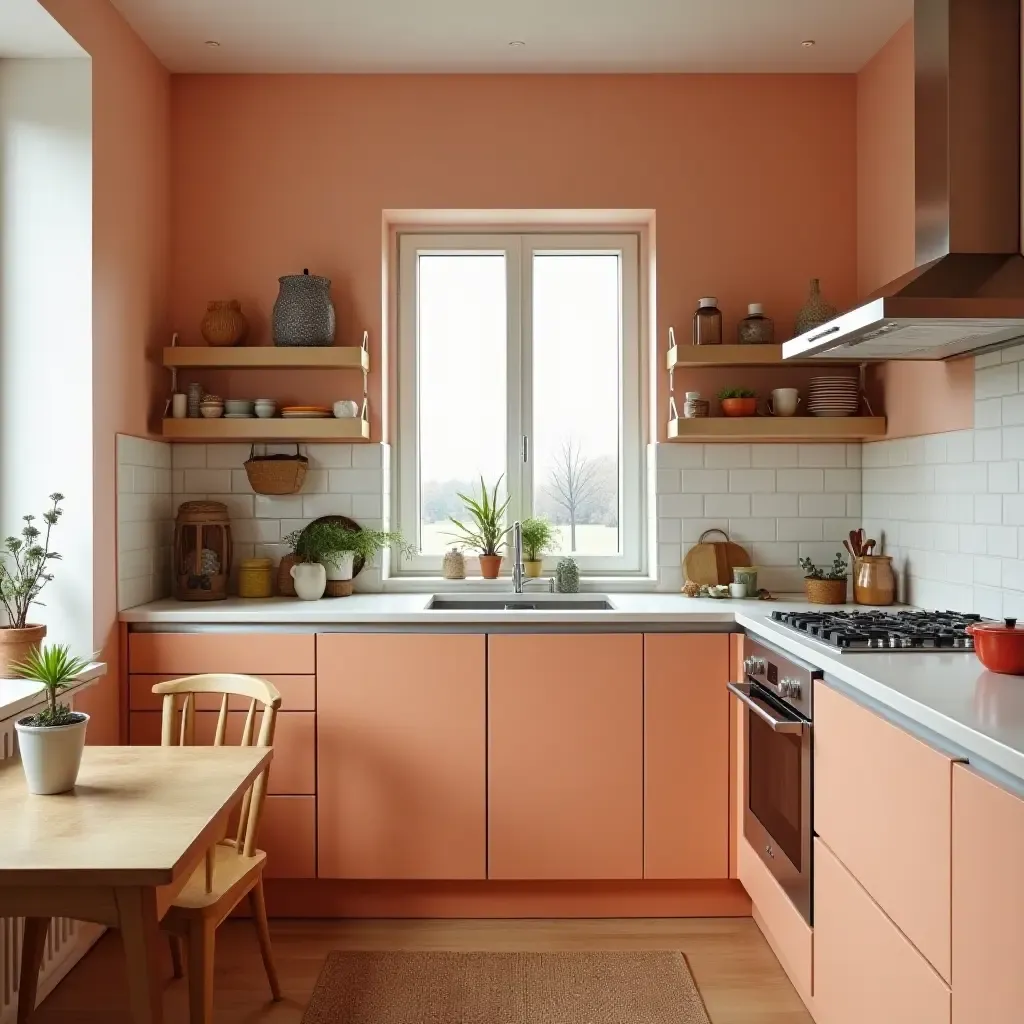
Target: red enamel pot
(999, 646)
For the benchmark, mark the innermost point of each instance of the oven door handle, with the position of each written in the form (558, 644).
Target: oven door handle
(764, 710)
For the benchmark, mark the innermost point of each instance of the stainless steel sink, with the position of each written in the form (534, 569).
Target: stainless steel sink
(520, 602)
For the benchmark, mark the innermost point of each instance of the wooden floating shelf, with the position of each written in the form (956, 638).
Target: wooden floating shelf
(695, 356)
(803, 429)
(332, 357)
(330, 429)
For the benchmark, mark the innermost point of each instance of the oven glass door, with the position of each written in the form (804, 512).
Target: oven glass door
(775, 786)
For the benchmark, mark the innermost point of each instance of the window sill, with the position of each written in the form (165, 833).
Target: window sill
(588, 584)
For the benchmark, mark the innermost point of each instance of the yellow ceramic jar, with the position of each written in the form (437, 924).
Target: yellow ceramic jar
(255, 578)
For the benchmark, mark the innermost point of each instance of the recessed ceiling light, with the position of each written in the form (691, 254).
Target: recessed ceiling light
(212, 43)
(808, 43)
(517, 43)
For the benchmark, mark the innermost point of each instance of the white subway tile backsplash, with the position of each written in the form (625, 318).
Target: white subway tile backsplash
(272, 506)
(800, 529)
(199, 481)
(744, 531)
(775, 456)
(988, 445)
(1003, 477)
(1001, 541)
(822, 455)
(778, 506)
(330, 456)
(727, 506)
(316, 505)
(778, 553)
(960, 446)
(188, 456)
(367, 456)
(727, 456)
(800, 480)
(995, 381)
(986, 508)
(670, 531)
(354, 481)
(705, 481)
(844, 481)
(987, 413)
(815, 505)
(988, 571)
(752, 481)
(680, 456)
(681, 506)
(669, 481)
(973, 540)
(366, 506)
(226, 456)
(694, 528)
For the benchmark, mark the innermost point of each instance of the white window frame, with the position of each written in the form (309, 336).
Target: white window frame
(519, 249)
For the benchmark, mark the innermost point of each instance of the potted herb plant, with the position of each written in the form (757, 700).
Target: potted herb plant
(51, 741)
(486, 531)
(738, 402)
(24, 571)
(539, 536)
(825, 586)
(335, 547)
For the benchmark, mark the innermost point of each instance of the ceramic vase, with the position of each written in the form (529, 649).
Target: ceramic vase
(454, 565)
(51, 754)
(224, 323)
(15, 647)
(815, 311)
(303, 313)
(310, 580)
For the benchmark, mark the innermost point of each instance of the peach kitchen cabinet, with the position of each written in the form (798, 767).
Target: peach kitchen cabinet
(686, 755)
(883, 803)
(864, 968)
(401, 756)
(565, 756)
(988, 901)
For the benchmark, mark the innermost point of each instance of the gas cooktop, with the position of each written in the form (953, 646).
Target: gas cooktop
(883, 631)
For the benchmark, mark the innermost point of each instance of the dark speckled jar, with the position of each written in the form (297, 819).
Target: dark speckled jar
(303, 313)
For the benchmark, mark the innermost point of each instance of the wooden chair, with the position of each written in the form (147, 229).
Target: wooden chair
(233, 868)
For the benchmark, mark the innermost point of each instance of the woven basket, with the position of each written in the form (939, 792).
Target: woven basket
(285, 583)
(825, 591)
(339, 588)
(276, 474)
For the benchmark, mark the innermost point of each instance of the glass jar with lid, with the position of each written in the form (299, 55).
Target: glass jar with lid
(755, 328)
(707, 323)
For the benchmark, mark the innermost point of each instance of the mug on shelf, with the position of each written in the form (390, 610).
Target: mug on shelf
(784, 402)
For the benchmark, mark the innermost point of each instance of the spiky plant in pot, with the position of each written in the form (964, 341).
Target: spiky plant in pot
(486, 530)
(51, 741)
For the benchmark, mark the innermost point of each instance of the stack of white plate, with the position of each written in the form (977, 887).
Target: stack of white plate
(833, 396)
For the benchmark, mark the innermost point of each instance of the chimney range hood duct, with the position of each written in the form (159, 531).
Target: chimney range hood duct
(967, 292)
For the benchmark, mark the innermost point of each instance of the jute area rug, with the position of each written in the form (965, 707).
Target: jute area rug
(506, 988)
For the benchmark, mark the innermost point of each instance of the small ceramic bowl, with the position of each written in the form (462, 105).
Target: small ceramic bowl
(346, 409)
(265, 408)
(243, 406)
(211, 411)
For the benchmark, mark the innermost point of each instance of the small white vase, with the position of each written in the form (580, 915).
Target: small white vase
(343, 570)
(310, 580)
(51, 754)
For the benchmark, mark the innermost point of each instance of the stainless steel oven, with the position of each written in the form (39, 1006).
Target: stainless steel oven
(777, 818)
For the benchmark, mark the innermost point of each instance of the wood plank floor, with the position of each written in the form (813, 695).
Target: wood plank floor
(738, 976)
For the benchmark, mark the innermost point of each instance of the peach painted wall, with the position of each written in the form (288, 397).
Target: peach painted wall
(131, 232)
(924, 398)
(753, 180)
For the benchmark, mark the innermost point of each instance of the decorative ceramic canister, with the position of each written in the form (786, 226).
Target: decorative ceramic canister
(815, 312)
(303, 313)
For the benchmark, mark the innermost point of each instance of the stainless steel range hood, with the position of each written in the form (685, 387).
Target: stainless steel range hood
(967, 292)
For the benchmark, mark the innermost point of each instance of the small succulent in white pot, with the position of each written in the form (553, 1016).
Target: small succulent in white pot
(51, 741)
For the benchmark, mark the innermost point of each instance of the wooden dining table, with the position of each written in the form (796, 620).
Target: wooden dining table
(116, 849)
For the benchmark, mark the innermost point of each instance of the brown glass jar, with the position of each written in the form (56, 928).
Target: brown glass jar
(755, 328)
(707, 323)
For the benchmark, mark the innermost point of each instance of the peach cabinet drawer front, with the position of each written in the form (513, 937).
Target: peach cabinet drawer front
(293, 769)
(288, 834)
(298, 693)
(864, 969)
(791, 935)
(882, 804)
(988, 901)
(259, 654)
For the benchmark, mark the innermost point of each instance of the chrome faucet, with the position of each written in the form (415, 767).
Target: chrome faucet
(518, 581)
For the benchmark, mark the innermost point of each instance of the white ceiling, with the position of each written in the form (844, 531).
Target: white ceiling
(27, 30)
(473, 35)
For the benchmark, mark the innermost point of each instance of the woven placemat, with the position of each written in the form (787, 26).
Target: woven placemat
(506, 988)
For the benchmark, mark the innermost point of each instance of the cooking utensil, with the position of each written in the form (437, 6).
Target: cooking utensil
(711, 563)
(868, 548)
(999, 646)
(846, 544)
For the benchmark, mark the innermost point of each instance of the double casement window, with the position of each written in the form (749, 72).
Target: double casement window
(519, 360)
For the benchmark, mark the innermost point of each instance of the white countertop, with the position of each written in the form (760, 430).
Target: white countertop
(18, 695)
(952, 695)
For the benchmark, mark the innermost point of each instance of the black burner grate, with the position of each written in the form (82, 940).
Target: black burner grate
(884, 631)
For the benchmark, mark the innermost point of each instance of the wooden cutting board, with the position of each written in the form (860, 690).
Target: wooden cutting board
(711, 562)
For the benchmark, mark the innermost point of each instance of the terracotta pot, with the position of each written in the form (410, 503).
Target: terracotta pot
(825, 591)
(490, 566)
(873, 580)
(224, 323)
(999, 646)
(739, 406)
(15, 645)
(533, 567)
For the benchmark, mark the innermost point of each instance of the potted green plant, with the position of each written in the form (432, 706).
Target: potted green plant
(335, 547)
(24, 572)
(312, 548)
(738, 401)
(486, 531)
(825, 586)
(51, 740)
(539, 536)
